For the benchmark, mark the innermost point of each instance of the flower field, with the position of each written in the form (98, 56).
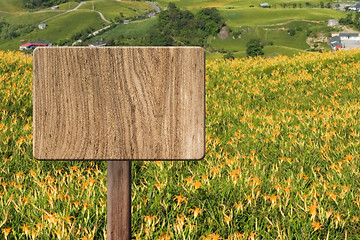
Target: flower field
(282, 161)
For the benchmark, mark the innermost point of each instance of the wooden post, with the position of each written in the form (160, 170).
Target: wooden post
(119, 200)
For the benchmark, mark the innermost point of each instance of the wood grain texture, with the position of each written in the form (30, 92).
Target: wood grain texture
(113, 103)
(119, 200)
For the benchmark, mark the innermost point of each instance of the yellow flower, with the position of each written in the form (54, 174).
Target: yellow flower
(252, 236)
(196, 211)
(212, 236)
(74, 168)
(316, 226)
(197, 184)
(25, 229)
(6, 231)
(312, 210)
(164, 236)
(179, 199)
(32, 173)
(227, 219)
(149, 219)
(337, 218)
(239, 206)
(145, 200)
(189, 179)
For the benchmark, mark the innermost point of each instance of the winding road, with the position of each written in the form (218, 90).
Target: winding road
(149, 15)
(72, 10)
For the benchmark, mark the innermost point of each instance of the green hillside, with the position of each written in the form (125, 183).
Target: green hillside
(245, 20)
(127, 32)
(260, 16)
(12, 6)
(112, 9)
(63, 27)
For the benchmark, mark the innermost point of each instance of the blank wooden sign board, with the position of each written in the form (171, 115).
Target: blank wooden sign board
(119, 103)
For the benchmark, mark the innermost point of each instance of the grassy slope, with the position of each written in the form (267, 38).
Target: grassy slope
(282, 42)
(64, 27)
(131, 30)
(195, 4)
(33, 18)
(112, 9)
(11, 5)
(259, 16)
(60, 28)
(278, 34)
(129, 9)
(67, 25)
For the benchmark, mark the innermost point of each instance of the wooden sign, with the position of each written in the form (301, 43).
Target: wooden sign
(119, 103)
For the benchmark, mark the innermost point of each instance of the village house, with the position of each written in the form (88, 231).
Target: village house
(349, 36)
(33, 45)
(345, 41)
(355, 7)
(335, 42)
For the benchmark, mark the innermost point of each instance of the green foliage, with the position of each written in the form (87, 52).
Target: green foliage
(229, 55)
(181, 27)
(291, 32)
(346, 20)
(82, 35)
(254, 48)
(10, 31)
(352, 20)
(209, 20)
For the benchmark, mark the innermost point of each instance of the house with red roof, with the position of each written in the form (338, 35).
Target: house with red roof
(33, 45)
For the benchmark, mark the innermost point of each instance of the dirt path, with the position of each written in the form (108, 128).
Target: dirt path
(102, 17)
(289, 21)
(8, 12)
(149, 15)
(71, 10)
(156, 8)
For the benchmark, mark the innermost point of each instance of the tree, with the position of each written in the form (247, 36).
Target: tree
(229, 55)
(291, 32)
(210, 20)
(347, 20)
(254, 48)
(181, 27)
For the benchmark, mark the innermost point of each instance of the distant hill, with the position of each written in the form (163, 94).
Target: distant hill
(306, 20)
(69, 22)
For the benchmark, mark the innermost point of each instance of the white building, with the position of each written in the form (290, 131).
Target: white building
(349, 36)
(42, 26)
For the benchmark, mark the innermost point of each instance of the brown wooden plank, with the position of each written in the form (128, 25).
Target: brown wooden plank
(119, 200)
(119, 103)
